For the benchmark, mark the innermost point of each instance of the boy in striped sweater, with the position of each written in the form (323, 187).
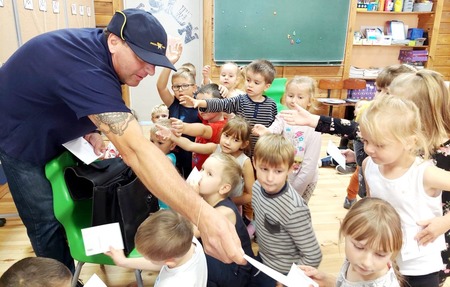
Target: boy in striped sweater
(254, 106)
(283, 220)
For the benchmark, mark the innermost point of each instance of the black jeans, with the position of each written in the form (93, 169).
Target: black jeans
(429, 280)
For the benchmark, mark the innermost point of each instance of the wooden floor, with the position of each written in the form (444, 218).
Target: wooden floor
(326, 210)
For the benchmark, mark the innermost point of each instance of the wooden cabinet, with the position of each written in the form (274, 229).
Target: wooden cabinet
(366, 56)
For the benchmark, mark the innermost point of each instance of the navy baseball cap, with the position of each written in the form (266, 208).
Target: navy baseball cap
(143, 33)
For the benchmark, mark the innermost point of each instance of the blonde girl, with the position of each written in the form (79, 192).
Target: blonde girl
(220, 176)
(299, 90)
(397, 169)
(373, 238)
(428, 91)
(231, 77)
(234, 140)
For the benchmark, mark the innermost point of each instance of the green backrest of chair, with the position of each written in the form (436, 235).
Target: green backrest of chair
(73, 215)
(276, 91)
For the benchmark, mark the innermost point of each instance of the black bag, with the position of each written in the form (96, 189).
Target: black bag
(117, 195)
(82, 179)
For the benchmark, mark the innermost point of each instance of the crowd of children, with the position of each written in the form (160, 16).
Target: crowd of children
(259, 169)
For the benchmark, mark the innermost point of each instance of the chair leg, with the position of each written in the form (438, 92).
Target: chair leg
(139, 281)
(77, 273)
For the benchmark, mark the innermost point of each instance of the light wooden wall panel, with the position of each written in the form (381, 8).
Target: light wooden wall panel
(7, 31)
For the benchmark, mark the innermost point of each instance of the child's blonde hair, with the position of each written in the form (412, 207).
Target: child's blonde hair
(232, 172)
(377, 221)
(388, 74)
(274, 150)
(164, 235)
(36, 272)
(191, 68)
(391, 118)
(428, 91)
(239, 128)
(263, 67)
(161, 108)
(240, 75)
(311, 86)
(184, 72)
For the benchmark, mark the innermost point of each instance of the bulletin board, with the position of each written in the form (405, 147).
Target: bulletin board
(8, 32)
(283, 31)
(40, 16)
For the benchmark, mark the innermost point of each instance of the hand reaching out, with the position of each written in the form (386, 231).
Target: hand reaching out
(188, 101)
(259, 130)
(206, 73)
(224, 92)
(300, 117)
(321, 278)
(177, 126)
(432, 229)
(349, 155)
(163, 133)
(174, 52)
(117, 255)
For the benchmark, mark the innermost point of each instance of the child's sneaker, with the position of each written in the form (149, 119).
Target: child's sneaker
(349, 202)
(326, 161)
(348, 169)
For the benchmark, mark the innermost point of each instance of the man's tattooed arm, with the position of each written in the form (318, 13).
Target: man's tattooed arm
(115, 122)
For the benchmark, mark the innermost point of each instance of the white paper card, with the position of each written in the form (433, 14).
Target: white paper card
(194, 177)
(411, 248)
(73, 8)
(295, 277)
(336, 154)
(1, 3)
(55, 6)
(99, 239)
(82, 149)
(28, 4)
(267, 270)
(95, 281)
(43, 5)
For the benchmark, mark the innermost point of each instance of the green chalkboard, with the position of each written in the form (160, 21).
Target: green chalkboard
(283, 31)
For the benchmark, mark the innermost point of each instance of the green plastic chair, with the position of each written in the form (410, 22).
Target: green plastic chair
(74, 216)
(276, 91)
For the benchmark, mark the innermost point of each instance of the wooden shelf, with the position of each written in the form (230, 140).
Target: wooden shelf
(365, 56)
(391, 46)
(394, 13)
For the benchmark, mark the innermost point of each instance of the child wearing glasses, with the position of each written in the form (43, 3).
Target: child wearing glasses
(183, 84)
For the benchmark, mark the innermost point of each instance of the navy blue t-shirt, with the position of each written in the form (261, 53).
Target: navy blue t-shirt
(49, 86)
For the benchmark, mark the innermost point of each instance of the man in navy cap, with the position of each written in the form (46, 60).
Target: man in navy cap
(66, 84)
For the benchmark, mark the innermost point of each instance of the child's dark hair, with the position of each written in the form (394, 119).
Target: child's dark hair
(211, 89)
(239, 128)
(388, 74)
(263, 67)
